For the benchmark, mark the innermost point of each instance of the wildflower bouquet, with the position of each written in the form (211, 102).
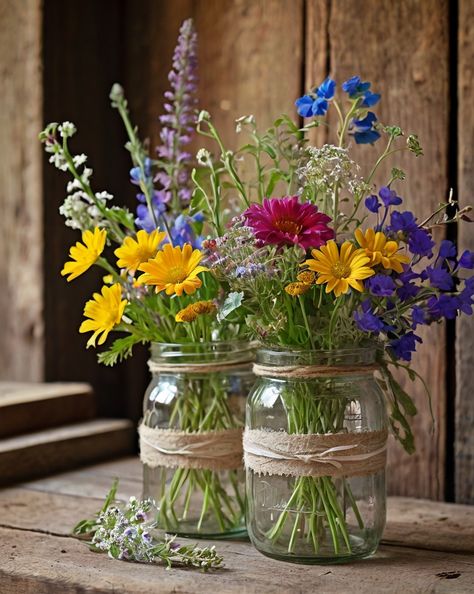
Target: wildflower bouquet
(157, 288)
(325, 260)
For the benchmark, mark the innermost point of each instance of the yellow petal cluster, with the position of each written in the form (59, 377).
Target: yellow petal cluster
(84, 255)
(380, 250)
(104, 310)
(134, 252)
(173, 270)
(297, 288)
(340, 270)
(192, 311)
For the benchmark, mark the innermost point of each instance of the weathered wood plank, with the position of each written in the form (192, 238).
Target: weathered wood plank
(43, 564)
(21, 228)
(416, 523)
(33, 406)
(464, 403)
(43, 452)
(399, 58)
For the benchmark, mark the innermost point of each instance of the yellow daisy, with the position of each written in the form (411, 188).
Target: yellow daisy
(192, 311)
(134, 252)
(174, 270)
(83, 255)
(104, 310)
(340, 270)
(381, 251)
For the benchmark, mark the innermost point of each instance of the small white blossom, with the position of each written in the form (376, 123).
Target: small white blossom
(72, 185)
(203, 156)
(103, 196)
(79, 159)
(86, 173)
(67, 129)
(59, 161)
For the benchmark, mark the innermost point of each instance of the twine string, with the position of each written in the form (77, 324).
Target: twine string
(308, 371)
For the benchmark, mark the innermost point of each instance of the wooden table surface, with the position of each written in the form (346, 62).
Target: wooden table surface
(428, 547)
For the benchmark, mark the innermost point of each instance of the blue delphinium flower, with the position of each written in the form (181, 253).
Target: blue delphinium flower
(366, 320)
(404, 346)
(439, 278)
(466, 296)
(467, 260)
(418, 316)
(403, 222)
(447, 250)
(381, 285)
(364, 131)
(182, 230)
(420, 243)
(372, 203)
(316, 104)
(356, 88)
(444, 306)
(389, 197)
(136, 173)
(408, 289)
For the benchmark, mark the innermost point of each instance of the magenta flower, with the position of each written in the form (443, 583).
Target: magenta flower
(287, 221)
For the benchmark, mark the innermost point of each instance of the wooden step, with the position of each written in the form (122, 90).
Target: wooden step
(37, 454)
(26, 407)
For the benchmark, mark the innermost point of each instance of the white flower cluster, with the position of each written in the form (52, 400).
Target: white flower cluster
(80, 210)
(327, 166)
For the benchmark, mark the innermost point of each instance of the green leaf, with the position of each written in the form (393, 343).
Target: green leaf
(232, 302)
(120, 350)
(110, 497)
(122, 216)
(275, 177)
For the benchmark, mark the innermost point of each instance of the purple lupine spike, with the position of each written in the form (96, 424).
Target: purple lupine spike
(179, 121)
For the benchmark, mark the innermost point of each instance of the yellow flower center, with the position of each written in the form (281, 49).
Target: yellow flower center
(340, 270)
(176, 274)
(288, 226)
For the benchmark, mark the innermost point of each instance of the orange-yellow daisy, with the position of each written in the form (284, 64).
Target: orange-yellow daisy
(134, 252)
(83, 255)
(193, 310)
(104, 310)
(340, 271)
(173, 270)
(380, 250)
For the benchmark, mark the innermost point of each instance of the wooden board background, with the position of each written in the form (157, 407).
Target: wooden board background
(256, 56)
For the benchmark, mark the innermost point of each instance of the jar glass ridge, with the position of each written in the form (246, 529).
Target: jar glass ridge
(198, 388)
(322, 514)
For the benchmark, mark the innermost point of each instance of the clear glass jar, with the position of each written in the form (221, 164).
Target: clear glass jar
(318, 514)
(203, 390)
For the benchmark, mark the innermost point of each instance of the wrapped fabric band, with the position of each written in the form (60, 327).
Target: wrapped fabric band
(212, 450)
(330, 454)
(305, 371)
(197, 367)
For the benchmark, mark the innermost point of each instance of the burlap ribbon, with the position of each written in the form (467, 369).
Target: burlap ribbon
(331, 454)
(212, 450)
(309, 371)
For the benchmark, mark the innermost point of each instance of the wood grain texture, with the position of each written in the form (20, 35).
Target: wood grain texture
(34, 406)
(52, 450)
(399, 58)
(464, 404)
(21, 227)
(37, 556)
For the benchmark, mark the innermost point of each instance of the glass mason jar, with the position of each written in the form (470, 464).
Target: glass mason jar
(191, 436)
(315, 454)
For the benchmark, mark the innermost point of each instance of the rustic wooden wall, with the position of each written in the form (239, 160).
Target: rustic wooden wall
(256, 56)
(21, 228)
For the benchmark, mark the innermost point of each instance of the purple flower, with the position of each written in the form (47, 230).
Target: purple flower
(407, 290)
(466, 296)
(447, 250)
(439, 278)
(418, 316)
(444, 306)
(381, 285)
(367, 321)
(404, 222)
(467, 260)
(389, 197)
(364, 131)
(420, 243)
(372, 203)
(404, 346)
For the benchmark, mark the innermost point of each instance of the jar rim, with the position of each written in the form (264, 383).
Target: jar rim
(276, 356)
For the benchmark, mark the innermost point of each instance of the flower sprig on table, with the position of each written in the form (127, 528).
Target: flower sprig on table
(125, 533)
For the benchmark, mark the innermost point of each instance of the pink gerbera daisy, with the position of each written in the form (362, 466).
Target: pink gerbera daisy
(287, 221)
